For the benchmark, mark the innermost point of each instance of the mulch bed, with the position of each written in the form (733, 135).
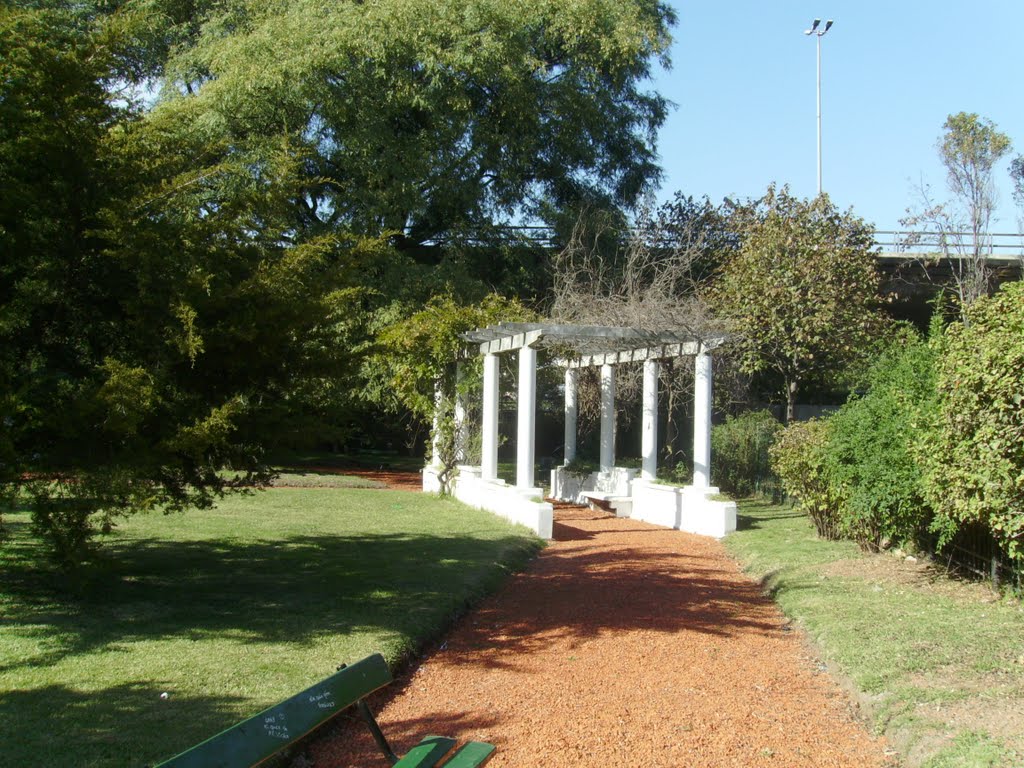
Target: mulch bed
(622, 644)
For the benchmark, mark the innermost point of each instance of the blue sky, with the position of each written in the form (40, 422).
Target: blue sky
(743, 77)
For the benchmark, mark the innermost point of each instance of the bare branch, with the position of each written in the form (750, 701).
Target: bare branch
(652, 280)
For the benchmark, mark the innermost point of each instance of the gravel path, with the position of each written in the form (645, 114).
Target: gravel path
(623, 644)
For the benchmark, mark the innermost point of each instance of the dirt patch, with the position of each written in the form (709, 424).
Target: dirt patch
(918, 573)
(990, 702)
(1004, 720)
(622, 644)
(394, 479)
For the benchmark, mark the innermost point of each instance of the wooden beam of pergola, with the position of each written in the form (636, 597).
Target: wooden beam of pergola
(592, 345)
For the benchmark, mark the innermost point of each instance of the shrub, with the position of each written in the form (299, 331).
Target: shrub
(739, 450)
(974, 463)
(869, 462)
(681, 473)
(798, 457)
(581, 467)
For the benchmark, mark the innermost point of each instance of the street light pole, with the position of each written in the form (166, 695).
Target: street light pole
(814, 31)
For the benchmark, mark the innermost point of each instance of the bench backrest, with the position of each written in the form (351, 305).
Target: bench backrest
(261, 736)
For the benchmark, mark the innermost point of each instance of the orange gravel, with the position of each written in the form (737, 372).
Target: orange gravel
(623, 644)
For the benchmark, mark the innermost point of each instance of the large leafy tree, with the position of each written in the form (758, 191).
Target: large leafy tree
(801, 292)
(426, 116)
(160, 316)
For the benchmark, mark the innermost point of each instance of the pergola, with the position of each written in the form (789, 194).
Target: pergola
(576, 347)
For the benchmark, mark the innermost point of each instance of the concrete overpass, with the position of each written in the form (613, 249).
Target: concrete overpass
(1003, 248)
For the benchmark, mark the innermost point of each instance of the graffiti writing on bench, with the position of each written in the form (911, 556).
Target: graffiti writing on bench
(323, 700)
(275, 726)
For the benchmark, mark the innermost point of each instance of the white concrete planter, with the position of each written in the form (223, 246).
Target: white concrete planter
(685, 508)
(698, 513)
(566, 486)
(518, 505)
(656, 503)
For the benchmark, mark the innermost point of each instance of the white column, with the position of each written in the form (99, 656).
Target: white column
(649, 427)
(527, 411)
(702, 421)
(435, 432)
(461, 434)
(607, 417)
(489, 427)
(572, 410)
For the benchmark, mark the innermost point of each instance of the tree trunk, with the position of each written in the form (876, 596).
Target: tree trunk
(791, 387)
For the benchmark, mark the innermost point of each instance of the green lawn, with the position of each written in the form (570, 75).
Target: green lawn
(228, 611)
(940, 664)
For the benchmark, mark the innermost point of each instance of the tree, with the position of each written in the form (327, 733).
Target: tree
(969, 148)
(647, 278)
(159, 314)
(650, 278)
(801, 292)
(1017, 176)
(426, 117)
(414, 363)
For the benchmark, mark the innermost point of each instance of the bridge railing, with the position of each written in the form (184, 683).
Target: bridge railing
(1000, 246)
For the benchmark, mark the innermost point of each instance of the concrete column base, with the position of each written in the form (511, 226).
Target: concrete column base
(430, 482)
(684, 508)
(525, 506)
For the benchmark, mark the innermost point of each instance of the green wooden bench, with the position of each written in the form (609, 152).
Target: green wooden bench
(260, 737)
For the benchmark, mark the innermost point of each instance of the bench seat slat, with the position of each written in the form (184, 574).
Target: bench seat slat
(428, 753)
(473, 754)
(254, 740)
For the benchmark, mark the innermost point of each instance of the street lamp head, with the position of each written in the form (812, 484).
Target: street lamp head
(814, 28)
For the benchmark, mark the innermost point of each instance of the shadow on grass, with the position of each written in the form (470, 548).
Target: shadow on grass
(58, 725)
(388, 460)
(755, 512)
(293, 590)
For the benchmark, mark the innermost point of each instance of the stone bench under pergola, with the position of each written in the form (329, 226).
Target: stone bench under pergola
(690, 508)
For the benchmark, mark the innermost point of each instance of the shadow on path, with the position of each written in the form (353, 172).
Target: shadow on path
(622, 644)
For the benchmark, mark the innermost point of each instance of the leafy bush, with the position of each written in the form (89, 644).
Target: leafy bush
(869, 462)
(799, 458)
(681, 473)
(739, 449)
(974, 463)
(581, 467)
